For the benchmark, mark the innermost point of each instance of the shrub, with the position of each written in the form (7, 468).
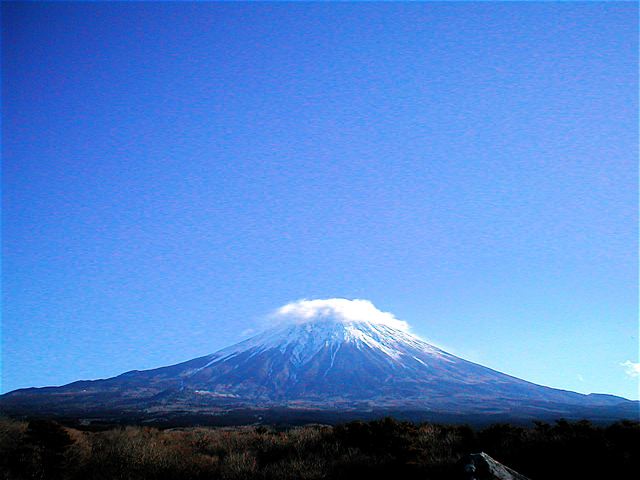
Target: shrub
(379, 449)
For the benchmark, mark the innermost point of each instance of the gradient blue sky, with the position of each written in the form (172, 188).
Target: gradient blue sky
(174, 172)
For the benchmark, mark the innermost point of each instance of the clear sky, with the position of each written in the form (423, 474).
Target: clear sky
(174, 172)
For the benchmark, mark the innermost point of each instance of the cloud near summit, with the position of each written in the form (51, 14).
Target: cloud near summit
(338, 309)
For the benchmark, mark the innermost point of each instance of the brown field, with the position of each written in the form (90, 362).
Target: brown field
(378, 449)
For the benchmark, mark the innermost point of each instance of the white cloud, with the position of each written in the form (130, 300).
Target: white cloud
(248, 331)
(631, 368)
(337, 309)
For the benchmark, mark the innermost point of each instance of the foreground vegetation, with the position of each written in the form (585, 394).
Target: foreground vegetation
(378, 449)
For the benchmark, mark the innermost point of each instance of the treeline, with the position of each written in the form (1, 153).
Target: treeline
(377, 449)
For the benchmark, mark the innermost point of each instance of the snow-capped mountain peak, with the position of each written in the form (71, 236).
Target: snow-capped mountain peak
(303, 341)
(320, 354)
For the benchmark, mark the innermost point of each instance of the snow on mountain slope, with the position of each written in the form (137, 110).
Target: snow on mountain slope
(304, 341)
(314, 359)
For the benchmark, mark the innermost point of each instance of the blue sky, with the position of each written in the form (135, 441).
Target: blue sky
(174, 172)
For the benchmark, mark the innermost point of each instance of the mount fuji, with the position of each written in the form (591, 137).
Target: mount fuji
(332, 355)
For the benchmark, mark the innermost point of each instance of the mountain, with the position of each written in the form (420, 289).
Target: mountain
(330, 363)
